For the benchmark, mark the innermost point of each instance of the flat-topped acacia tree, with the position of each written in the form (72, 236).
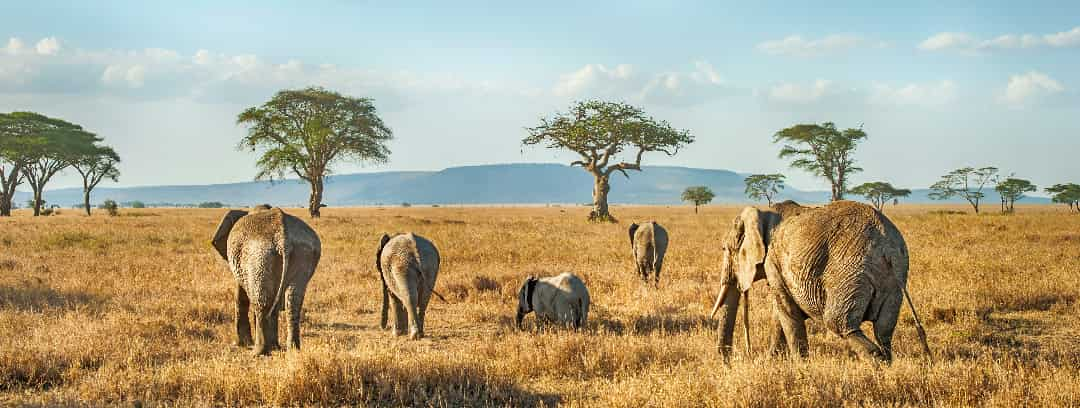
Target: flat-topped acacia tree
(599, 131)
(306, 131)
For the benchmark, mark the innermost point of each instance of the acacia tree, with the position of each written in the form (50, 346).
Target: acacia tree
(822, 150)
(764, 186)
(966, 183)
(598, 131)
(305, 132)
(53, 145)
(94, 167)
(16, 138)
(879, 193)
(1068, 194)
(698, 195)
(1012, 189)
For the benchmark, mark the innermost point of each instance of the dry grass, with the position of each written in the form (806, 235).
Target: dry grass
(122, 310)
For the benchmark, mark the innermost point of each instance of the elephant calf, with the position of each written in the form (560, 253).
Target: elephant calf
(649, 242)
(272, 255)
(408, 265)
(562, 299)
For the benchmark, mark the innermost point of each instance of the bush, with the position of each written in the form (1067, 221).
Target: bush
(211, 204)
(110, 206)
(137, 204)
(406, 205)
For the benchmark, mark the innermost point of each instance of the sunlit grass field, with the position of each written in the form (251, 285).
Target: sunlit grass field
(138, 309)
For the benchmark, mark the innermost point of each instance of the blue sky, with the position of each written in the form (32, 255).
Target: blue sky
(935, 86)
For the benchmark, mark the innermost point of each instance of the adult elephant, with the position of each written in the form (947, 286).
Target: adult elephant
(272, 255)
(408, 265)
(649, 241)
(841, 264)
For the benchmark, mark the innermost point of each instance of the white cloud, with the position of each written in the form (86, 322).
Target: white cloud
(14, 46)
(131, 76)
(673, 88)
(48, 46)
(1024, 89)
(969, 44)
(802, 93)
(934, 94)
(797, 46)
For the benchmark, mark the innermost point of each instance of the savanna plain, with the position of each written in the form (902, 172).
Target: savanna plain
(138, 310)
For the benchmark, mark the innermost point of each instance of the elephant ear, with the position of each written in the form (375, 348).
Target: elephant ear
(752, 247)
(221, 237)
(378, 254)
(633, 229)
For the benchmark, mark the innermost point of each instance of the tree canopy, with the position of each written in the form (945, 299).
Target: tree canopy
(879, 193)
(95, 166)
(598, 131)
(307, 131)
(823, 150)
(966, 183)
(764, 186)
(40, 147)
(1068, 194)
(1011, 190)
(698, 195)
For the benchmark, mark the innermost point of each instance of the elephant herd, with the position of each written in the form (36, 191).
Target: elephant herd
(841, 264)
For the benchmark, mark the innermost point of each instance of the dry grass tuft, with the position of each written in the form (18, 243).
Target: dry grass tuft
(139, 310)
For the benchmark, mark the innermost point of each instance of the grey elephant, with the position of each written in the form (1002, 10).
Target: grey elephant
(561, 299)
(272, 255)
(841, 264)
(408, 265)
(649, 242)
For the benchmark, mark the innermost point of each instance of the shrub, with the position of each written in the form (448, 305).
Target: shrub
(137, 204)
(211, 204)
(111, 207)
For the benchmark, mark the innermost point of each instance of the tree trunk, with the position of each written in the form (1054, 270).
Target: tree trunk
(600, 206)
(37, 202)
(5, 206)
(695, 208)
(86, 201)
(315, 203)
(7, 191)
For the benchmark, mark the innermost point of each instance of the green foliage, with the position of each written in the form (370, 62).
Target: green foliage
(879, 193)
(966, 183)
(823, 150)
(136, 204)
(305, 132)
(1068, 194)
(598, 131)
(42, 146)
(1012, 189)
(211, 204)
(406, 205)
(764, 186)
(96, 165)
(698, 195)
(111, 207)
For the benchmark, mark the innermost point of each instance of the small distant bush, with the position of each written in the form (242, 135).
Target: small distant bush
(434, 206)
(111, 207)
(137, 204)
(947, 212)
(211, 204)
(406, 205)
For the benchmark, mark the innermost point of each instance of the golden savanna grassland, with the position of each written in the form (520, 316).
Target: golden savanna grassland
(138, 309)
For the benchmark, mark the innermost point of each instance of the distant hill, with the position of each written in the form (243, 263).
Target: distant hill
(489, 184)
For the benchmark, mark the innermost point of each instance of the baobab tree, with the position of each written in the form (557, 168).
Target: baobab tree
(823, 150)
(306, 131)
(599, 131)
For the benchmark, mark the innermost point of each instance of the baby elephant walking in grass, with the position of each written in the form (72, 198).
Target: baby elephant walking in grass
(649, 242)
(408, 265)
(561, 299)
(272, 256)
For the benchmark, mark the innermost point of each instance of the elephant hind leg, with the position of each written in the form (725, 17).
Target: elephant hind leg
(294, 303)
(844, 317)
(401, 321)
(243, 322)
(885, 324)
(266, 339)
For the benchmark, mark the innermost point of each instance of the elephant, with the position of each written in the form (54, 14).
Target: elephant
(408, 265)
(272, 256)
(649, 242)
(561, 299)
(841, 264)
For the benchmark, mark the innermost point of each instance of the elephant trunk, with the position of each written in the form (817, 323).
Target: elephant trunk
(729, 297)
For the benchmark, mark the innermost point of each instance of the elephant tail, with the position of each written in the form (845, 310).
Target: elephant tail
(279, 301)
(918, 323)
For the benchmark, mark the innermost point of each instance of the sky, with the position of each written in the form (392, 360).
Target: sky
(935, 86)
